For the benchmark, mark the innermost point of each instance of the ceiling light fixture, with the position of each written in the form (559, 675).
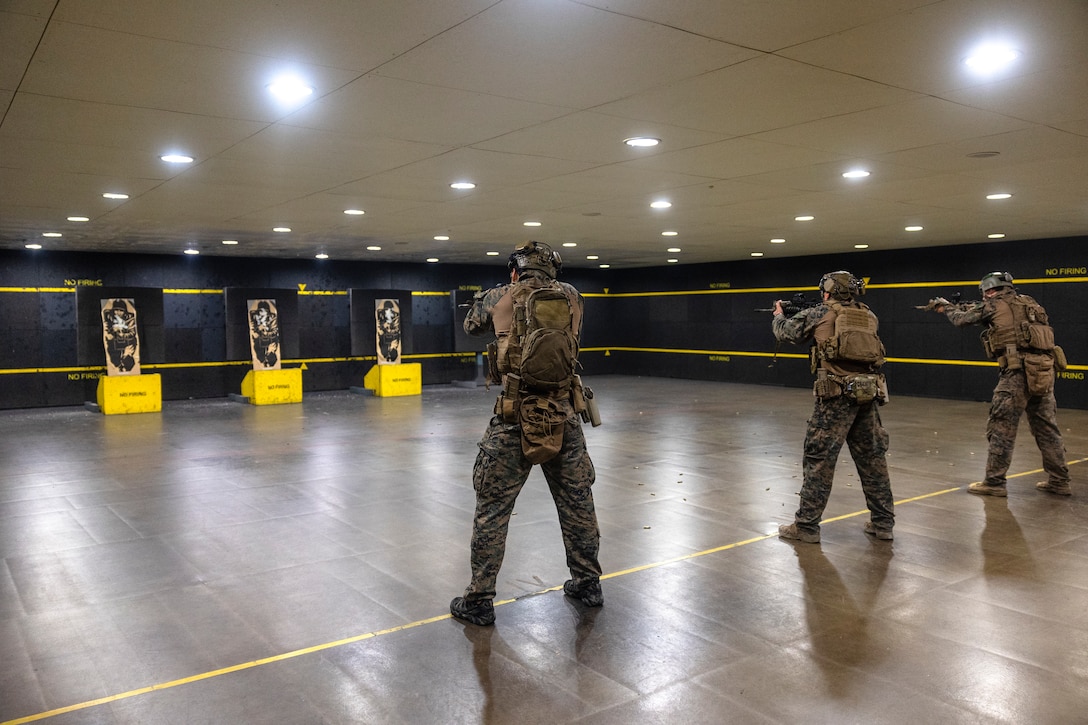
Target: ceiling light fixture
(604, 266)
(530, 224)
(855, 174)
(672, 261)
(592, 256)
(354, 212)
(492, 254)
(642, 141)
(33, 245)
(462, 185)
(757, 254)
(994, 197)
(441, 238)
(79, 219)
(192, 252)
(995, 236)
(229, 242)
(673, 250)
(281, 230)
(112, 195)
(321, 255)
(432, 259)
(861, 246)
(373, 248)
(778, 240)
(177, 159)
(289, 89)
(660, 204)
(52, 235)
(991, 57)
(913, 228)
(570, 244)
(669, 234)
(804, 218)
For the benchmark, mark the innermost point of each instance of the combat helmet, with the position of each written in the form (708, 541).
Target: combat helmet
(995, 279)
(842, 285)
(536, 255)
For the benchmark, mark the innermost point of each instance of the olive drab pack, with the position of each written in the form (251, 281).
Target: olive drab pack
(855, 339)
(542, 346)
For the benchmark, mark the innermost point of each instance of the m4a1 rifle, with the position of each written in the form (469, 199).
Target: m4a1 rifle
(936, 302)
(793, 305)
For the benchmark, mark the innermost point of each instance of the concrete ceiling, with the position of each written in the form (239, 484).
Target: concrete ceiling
(760, 105)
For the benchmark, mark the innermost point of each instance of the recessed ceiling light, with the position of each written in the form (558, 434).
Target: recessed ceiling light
(441, 238)
(290, 89)
(999, 196)
(192, 251)
(660, 204)
(354, 212)
(757, 254)
(778, 240)
(229, 242)
(530, 224)
(861, 246)
(804, 218)
(177, 159)
(991, 57)
(669, 234)
(79, 219)
(432, 259)
(281, 230)
(373, 248)
(321, 255)
(604, 266)
(492, 254)
(33, 245)
(112, 195)
(672, 261)
(912, 228)
(673, 250)
(52, 235)
(642, 141)
(570, 244)
(462, 185)
(592, 256)
(856, 174)
(995, 236)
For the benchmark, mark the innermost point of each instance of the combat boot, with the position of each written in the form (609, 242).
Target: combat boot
(878, 533)
(985, 489)
(1061, 489)
(791, 531)
(480, 612)
(588, 592)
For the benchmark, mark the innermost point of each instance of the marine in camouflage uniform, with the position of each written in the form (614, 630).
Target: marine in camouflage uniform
(837, 418)
(501, 470)
(1011, 397)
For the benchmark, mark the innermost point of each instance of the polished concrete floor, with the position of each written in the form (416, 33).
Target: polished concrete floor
(226, 563)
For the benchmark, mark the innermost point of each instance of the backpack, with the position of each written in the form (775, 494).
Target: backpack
(542, 348)
(855, 339)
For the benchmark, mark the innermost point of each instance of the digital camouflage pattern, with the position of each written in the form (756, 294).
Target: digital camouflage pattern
(1011, 400)
(501, 470)
(835, 421)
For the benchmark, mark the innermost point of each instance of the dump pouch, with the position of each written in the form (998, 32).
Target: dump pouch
(1039, 372)
(542, 423)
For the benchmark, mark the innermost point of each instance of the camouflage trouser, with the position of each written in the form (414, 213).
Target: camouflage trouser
(835, 421)
(1010, 401)
(500, 471)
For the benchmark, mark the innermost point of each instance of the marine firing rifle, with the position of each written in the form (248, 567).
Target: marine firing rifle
(936, 302)
(793, 305)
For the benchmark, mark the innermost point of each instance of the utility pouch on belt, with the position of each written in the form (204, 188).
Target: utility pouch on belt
(1039, 372)
(507, 404)
(825, 387)
(542, 422)
(1060, 362)
(863, 389)
(1012, 358)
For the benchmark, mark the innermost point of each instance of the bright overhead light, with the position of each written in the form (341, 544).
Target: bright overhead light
(290, 89)
(642, 141)
(757, 254)
(999, 196)
(604, 266)
(321, 255)
(673, 250)
(991, 57)
(462, 185)
(354, 212)
(669, 234)
(52, 235)
(492, 254)
(177, 159)
(33, 245)
(660, 204)
(112, 195)
(530, 224)
(672, 261)
(778, 241)
(995, 236)
(861, 246)
(373, 248)
(592, 256)
(855, 174)
(432, 259)
(570, 244)
(804, 218)
(79, 219)
(192, 251)
(229, 242)
(281, 230)
(913, 228)
(441, 238)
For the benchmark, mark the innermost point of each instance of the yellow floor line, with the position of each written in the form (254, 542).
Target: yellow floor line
(400, 628)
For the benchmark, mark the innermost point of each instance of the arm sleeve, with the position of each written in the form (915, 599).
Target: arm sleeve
(973, 314)
(478, 320)
(799, 328)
